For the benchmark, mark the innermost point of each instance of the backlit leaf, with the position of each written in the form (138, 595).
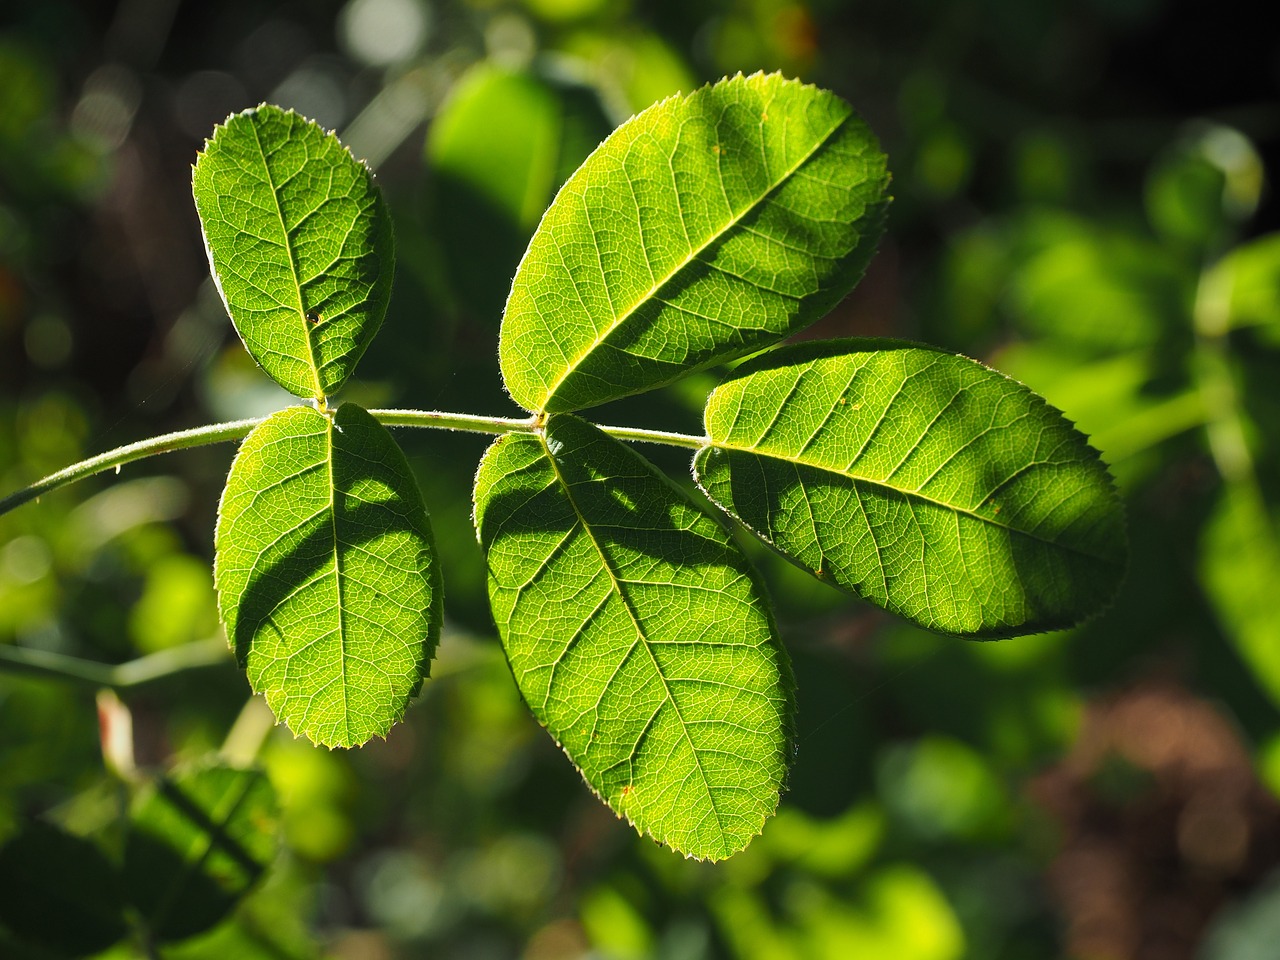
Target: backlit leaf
(327, 581)
(705, 228)
(920, 480)
(637, 634)
(300, 245)
(197, 842)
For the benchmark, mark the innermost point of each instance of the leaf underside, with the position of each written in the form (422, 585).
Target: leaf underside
(922, 481)
(327, 580)
(299, 242)
(197, 842)
(637, 634)
(703, 229)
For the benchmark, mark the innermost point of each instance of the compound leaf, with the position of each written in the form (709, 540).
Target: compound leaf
(637, 634)
(703, 229)
(197, 842)
(327, 580)
(300, 245)
(923, 481)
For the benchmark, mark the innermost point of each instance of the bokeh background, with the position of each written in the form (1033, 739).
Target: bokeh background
(1084, 199)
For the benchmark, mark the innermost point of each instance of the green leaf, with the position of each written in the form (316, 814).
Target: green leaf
(197, 842)
(1240, 570)
(704, 229)
(59, 893)
(637, 634)
(300, 245)
(325, 566)
(922, 481)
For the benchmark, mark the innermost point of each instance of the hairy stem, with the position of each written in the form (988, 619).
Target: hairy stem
(167, 443)
(239, 429)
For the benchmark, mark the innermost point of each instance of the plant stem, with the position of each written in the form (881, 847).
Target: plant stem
(167, 443)
(657, 436)
(239, 429)
(440, 420)
(135, 673)
(477, 424)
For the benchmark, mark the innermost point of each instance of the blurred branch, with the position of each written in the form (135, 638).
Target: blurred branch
(121, 676)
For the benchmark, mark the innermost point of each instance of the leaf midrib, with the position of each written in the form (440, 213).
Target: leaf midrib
(658, 284)
(914, 495)
(293, 266)
(642, 636)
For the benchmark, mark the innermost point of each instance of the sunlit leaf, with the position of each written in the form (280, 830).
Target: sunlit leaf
(1240, 570)
(327, 581)
(637, 634)
(920, 480)
(197, 842)
(59, 893)
(703, 229)
(300, 245)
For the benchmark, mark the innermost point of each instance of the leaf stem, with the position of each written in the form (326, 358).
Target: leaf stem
(121, 676)
(441, 420)
(239, 429)
(657, 436)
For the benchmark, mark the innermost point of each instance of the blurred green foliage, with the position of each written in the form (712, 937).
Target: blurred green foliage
(1074, 205)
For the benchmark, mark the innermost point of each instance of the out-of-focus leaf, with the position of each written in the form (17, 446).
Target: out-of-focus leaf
(1184, 196)
(1249, 277)
(1108, 398)
(635, 67)
(941, 787)
(497, 151)
(898, 912)
(1240, 570)
(923, 481)
(59, 893)
(300, 245)
(197, 842)
(703, 229)
(176, 606)
(327, 580)
(1098, 288)
(637, 634)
